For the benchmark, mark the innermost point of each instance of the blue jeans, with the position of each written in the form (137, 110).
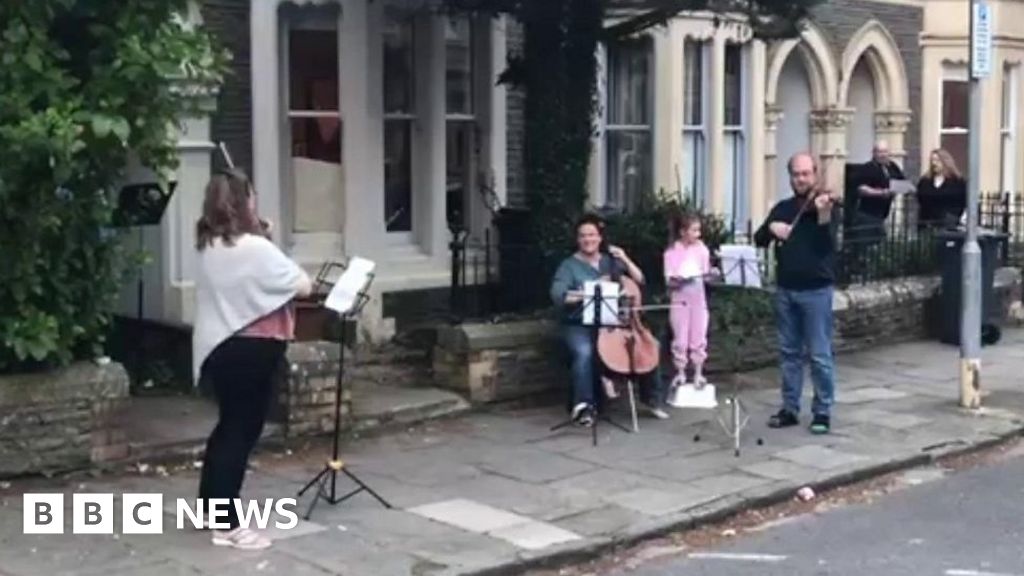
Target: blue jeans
(804, 319)
(580, 342)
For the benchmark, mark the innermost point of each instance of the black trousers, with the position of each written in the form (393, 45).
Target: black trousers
(241, 371)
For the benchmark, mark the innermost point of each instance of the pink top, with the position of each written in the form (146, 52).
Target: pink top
(686, 259)
(279, 325)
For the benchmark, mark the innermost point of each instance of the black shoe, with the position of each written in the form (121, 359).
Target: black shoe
(783, 419)
(821, 424)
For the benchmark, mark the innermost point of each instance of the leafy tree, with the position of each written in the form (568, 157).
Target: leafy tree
(558, 72)
(83, 83)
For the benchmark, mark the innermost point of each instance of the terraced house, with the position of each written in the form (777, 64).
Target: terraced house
(373, 127)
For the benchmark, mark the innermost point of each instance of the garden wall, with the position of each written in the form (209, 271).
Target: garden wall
(61, 419)
(495, 362)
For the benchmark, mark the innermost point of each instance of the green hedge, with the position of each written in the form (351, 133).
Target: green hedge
(82, 83)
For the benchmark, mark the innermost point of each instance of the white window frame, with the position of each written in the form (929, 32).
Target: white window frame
(950, 74)
(738, 203)
(697, 189)
(1008, 127)
(469, 118)
(301, 19)
(609, 128)
(408, 118)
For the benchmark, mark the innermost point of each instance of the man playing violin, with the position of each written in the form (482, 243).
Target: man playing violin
(586, 264)
(803, 229)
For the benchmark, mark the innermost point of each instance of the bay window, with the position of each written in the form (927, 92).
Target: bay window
(628, 122)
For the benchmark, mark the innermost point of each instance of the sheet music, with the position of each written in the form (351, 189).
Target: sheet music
(609, 303)
(902, 186)
(740, 265)
(343, 296)
(689, 269)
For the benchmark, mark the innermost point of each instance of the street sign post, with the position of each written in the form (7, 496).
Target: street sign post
(970, 317)
(981, 40)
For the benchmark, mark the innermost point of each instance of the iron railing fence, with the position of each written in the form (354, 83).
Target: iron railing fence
(490, 278)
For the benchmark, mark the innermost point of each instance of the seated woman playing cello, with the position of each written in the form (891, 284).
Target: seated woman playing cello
(588, 263)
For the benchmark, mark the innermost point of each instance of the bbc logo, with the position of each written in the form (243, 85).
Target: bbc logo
(144, 513)
(93, 514)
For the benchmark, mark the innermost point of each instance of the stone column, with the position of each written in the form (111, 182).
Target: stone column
(772, 116)
(757, 138)
(361, 96)
(891, 126)
(828, 141)
(266, 112)
(716, 125)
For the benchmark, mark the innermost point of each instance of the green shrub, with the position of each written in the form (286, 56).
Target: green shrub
(82, 83)
(643, 231)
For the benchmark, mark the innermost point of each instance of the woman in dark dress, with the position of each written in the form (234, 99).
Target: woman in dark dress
(941, 192)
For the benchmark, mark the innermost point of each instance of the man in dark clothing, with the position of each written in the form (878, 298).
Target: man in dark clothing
(872, 203)
(803, 232)
(874, 198)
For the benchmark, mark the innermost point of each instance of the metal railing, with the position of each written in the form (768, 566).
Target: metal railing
(490, 279)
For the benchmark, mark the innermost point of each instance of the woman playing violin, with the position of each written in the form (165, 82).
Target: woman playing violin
(589, 263)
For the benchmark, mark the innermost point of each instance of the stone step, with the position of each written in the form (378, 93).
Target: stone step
(386, 406)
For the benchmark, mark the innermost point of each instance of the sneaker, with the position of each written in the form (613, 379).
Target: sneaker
(583, 414)
(658, 413)
(821, 424)
(241, 538)
(783, 419)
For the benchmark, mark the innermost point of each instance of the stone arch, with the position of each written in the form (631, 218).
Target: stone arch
(876, 46)
(813, 48)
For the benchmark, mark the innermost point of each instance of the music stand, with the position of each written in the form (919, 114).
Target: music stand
(741, 274)
(140, 205)
(597, 305)
(347, 298)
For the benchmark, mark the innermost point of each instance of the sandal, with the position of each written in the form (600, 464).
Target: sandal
(783, 419)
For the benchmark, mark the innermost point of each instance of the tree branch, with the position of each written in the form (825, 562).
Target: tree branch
(768, 19)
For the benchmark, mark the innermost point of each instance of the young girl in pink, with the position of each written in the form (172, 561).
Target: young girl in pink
(687, 262)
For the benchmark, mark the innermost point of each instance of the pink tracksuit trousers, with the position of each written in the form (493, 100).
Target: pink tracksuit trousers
(689, 313)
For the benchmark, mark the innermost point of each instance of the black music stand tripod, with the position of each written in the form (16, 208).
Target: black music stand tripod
(141, 205)
(335, 464)
(739, 417)
(598, 303)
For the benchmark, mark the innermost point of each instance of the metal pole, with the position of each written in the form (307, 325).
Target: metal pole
(970, 319)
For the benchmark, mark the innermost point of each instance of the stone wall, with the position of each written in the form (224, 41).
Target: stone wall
(305, 399)
(60, 420)
(508, 361)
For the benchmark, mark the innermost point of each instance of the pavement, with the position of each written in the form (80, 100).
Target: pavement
(965, 524)
(498, 493)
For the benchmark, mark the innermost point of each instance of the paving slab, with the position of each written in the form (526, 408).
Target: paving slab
(535, 535)
(818, 457)
(469, 515)
(867, 394)
(653, 502)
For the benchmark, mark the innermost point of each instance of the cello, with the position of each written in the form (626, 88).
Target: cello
(628, 350)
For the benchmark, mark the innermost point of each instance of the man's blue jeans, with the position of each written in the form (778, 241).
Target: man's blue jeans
(804, 319)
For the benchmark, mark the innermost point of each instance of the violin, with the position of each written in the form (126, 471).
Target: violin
(819, 189)
(630, 349)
